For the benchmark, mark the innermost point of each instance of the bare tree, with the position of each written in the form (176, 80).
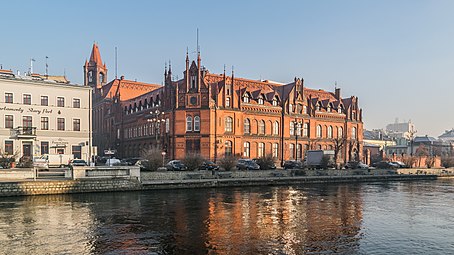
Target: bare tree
(338, 145)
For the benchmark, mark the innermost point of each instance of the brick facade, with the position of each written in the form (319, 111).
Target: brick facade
(218, 114)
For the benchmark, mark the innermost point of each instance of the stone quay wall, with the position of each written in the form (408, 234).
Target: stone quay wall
(67, 186)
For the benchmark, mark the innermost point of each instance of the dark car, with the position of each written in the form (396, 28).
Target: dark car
(78, 162)
(208, 165)
(293, 164)
(130, 161)
(247, 164)
(385, 165)
(176, 165)
(400, 164)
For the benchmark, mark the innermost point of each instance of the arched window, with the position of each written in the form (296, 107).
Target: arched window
(90, 76)
(247, 126)
(317, 107)
(330, 132)
(276, 128)
(188, 123)
(262, 127)
(247, 150)
(291, 149)
(304, 109)
(196, 123)
(227, 102)
(275, 101)
(228, 124)
(305, 129)
(292, 128)
(290, 108)
(328, 108)
(260, 100)
(319, 131)
(101, 77)
(340, 132)
(275, 152)
(353, 132)
(228, 148)
(299, 151)
(261, 150)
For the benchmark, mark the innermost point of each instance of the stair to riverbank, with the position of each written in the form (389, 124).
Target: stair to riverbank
(53, 173)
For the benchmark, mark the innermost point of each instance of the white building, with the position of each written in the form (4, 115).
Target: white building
(44, 117)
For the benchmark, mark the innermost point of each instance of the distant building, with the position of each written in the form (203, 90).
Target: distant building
(44, 116)
(447, 136)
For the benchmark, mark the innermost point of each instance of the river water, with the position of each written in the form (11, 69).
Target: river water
(374, 218)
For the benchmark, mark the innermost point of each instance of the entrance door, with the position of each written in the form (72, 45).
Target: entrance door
(27, 149)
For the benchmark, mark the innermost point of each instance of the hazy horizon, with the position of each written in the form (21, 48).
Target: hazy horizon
(396, 56)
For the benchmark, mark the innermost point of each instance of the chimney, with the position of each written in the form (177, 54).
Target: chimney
(122, 77)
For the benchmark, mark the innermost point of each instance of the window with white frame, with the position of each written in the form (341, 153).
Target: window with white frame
(305, 129)
(275, 150)
(196, 123)
(246, 149)
(291, 149)
(228, 124)
(247, 126)
(228, 148)
(260, 100)
(319, 131)
(261, 150)
(188, 123)
(292, 128)
(354, 133)
(340, 132)
(276, 128)
(262, 127)
(330, 132)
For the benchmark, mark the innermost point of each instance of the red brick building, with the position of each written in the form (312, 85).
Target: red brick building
(217, 115)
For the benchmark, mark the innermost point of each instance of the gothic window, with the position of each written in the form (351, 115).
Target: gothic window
(304, 109)
(261, 150)
(196, 123)
(290, 108)
(188, 123)
(340, 132)
(291, 148)
(317, 107)
(101, 77)
(228, 148)
(328, 108)
(275, 150)
(330, 132)
(228, 124)
(247, 126)
(247, 150)
(262, 127)
(90, 76)
(276, 128)
(275, 101)
(353, 132)
(260, 100)
(305, 129)
(227, 102)
(319, 131)
(193, 81)
(292, 128)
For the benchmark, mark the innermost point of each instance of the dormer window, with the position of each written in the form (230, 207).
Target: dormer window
(304, 109)
(328, 109)
(317, 108)
(275, 102)
(290, 108)
(227, 102)
(260, 100)
(246, 98)
(339, 110)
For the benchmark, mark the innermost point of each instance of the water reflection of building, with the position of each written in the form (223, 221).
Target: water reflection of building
(294, 221)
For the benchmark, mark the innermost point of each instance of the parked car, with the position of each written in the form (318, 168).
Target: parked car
(176, 165)
(129, 161)
(247, 164)
(78, 162)
(293, 164)
(385, 165)
(113, 162)
(208, 165)
(400, 164)
(356, 165)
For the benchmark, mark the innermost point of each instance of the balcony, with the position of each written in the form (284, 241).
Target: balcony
(24, 132)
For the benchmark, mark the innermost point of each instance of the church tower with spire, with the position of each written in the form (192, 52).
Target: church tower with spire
(95, 72)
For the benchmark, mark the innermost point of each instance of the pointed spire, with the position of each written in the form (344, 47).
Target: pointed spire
(170, 67)
(95, 55)
(165, 70)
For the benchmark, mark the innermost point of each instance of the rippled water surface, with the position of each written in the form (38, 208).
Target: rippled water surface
(379, 218)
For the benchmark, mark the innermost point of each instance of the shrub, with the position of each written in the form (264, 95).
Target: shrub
(228, 163)
(447, 162)
(154, 159)
(265, 162)
(409, 161)
(430, 161)
(325, 162)
(193, 161)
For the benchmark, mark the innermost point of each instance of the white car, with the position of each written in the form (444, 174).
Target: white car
(113, 162)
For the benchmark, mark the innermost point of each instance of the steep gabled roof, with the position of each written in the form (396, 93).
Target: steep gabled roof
(127, 89)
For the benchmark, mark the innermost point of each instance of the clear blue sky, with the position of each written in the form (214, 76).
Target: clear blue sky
(396, 56)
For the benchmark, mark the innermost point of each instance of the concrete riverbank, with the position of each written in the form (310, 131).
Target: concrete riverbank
(186, 181)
